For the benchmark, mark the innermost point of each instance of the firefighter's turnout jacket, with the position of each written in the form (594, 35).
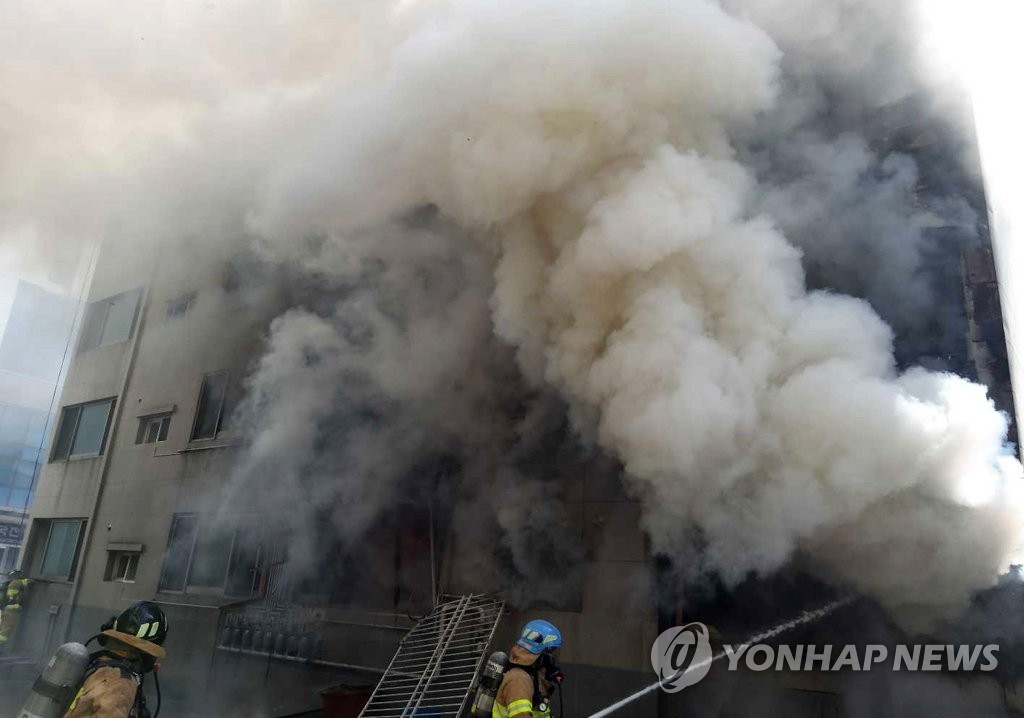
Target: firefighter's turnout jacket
(10, 613)
(521, 693)
(109, 691)
(113, 682)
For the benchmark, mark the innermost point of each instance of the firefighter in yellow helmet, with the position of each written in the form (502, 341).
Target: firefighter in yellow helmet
(132, 644)
(15, 590)
(532, 673)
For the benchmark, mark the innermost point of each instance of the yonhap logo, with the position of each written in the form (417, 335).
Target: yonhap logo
(681, 656)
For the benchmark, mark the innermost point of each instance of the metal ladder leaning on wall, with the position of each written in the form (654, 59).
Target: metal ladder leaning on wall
(433, 672)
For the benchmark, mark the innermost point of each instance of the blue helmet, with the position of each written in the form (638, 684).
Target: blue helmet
(539, 636)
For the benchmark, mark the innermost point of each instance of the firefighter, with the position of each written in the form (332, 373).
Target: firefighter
(132, 643)
(532, 673)
(15, 590)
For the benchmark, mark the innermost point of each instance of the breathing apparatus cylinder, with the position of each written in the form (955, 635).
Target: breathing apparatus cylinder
(490, 681)
(56, 687)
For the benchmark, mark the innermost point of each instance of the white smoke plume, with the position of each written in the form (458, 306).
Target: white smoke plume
(631, 246)
(589, 145)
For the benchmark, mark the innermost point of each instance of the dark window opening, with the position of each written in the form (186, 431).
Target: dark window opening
(215, 555)
(180, 545)
(210, 560)
(244, 565)
(179, 306)
(210, 409)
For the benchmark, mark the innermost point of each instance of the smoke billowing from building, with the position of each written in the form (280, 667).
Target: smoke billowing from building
(620, 189)
(754, 418)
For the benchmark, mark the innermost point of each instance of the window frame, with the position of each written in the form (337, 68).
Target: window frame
(220, 407)
(259, 561)
(51, 523)
(132, 566)
(237, 526)
(146, 422)
(54, 457)
(182, 302)
(191, 552)
(94, 325)
(214, 546)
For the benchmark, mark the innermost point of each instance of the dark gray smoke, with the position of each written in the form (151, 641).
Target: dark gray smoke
(383, 389)
(867, 168)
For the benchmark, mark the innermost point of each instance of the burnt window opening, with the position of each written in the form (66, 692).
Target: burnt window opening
(210, 408)
(244, 271)
(180, 546)
(390, 570)
(212, 554)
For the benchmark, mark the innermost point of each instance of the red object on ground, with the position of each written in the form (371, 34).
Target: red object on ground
(344, 701)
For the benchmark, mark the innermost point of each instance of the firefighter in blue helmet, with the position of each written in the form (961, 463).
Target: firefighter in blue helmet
(532, 673)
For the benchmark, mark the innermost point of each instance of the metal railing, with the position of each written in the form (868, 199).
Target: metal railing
(434, 671)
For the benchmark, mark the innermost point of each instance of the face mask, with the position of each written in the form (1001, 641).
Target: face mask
(552, 670)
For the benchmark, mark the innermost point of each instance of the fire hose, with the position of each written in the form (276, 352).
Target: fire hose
(802, 619)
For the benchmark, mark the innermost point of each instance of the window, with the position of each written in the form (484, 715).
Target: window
(82, 430)
(121, 566)
(61, 552)
(211, 406)
(179, 306)
(244, 269)
(216, 555)
(110, 320)
(180, 545)
(210, 559)
(245, 561)
(153, 429)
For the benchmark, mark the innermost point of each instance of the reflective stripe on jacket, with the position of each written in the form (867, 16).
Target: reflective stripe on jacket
(522, 707)
(515, 694)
